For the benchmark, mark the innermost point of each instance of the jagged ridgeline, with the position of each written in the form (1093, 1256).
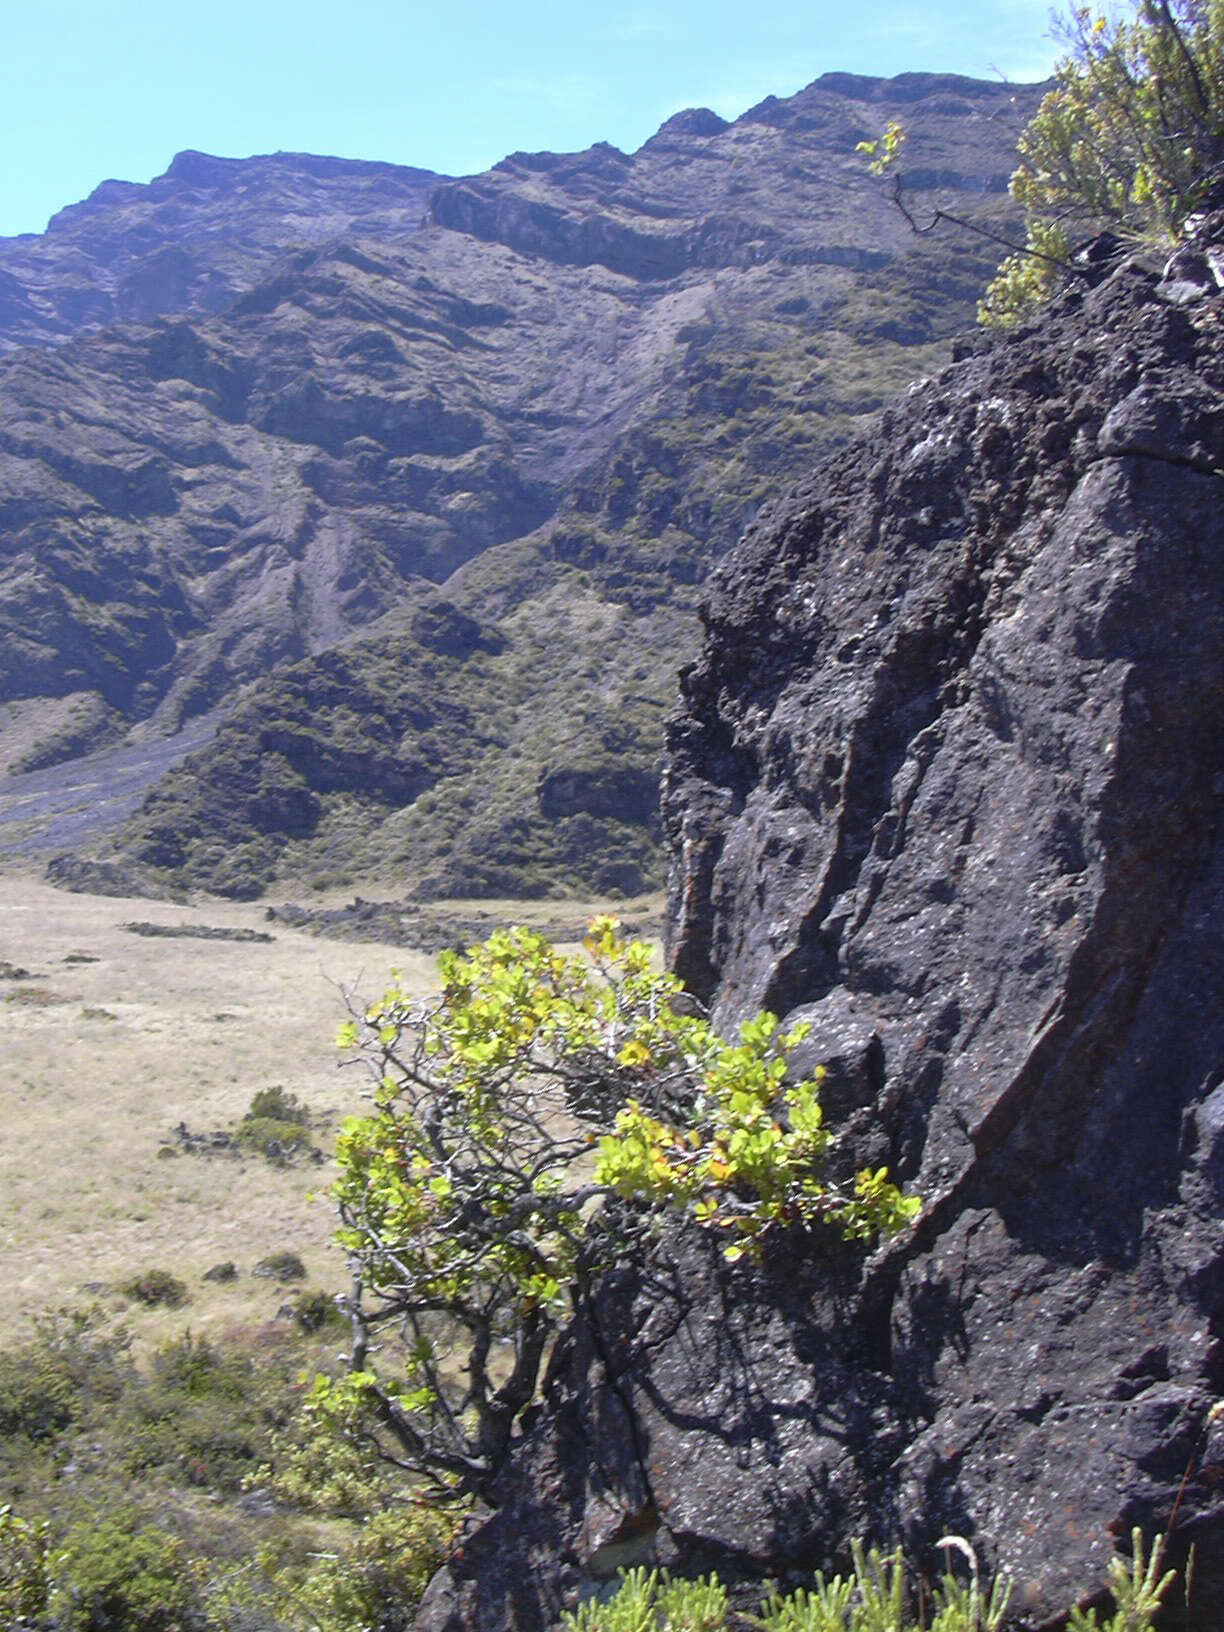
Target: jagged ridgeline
(389, 494)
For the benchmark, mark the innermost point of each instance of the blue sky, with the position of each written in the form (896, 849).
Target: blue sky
(114, 88)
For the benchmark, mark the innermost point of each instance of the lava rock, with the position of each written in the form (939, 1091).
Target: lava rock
(947, 781)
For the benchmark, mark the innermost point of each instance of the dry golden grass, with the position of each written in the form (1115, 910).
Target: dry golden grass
(111, 1039)
(101, 1059)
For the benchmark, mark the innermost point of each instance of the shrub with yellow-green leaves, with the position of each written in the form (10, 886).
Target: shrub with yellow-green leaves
(1130, 138)
(1127, 138)
(751, 1155)
(1135, 121)
(510, 1110)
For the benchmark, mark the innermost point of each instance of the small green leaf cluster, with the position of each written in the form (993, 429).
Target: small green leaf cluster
(752, 1154)
(315, 1470)
(885, 151)
(1027, 279)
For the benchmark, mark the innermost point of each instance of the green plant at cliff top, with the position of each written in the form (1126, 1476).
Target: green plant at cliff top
(1126, 139)
(1135, 122)
(477, 1201)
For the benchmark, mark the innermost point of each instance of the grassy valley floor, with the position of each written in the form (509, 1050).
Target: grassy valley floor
(111, 1040)
(158, 1463)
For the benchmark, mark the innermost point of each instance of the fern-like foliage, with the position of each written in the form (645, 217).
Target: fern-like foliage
(872, 1599)
(1137, 1591)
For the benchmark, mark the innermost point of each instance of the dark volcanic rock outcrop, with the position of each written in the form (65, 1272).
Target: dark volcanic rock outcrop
(947, 780)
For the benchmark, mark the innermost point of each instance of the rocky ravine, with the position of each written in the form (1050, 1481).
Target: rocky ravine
(561, 388)
(947, 781)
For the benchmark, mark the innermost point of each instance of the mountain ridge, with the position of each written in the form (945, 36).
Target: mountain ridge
(191, 240)
(574, 370)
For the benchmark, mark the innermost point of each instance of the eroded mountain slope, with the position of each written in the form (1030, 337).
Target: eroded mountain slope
(192, 240)
(575, 382)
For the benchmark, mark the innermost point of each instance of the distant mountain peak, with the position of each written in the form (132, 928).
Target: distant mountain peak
(224, 224)
(211, 170)
(692, 122)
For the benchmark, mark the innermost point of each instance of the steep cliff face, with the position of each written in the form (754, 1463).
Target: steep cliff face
(947, 781)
